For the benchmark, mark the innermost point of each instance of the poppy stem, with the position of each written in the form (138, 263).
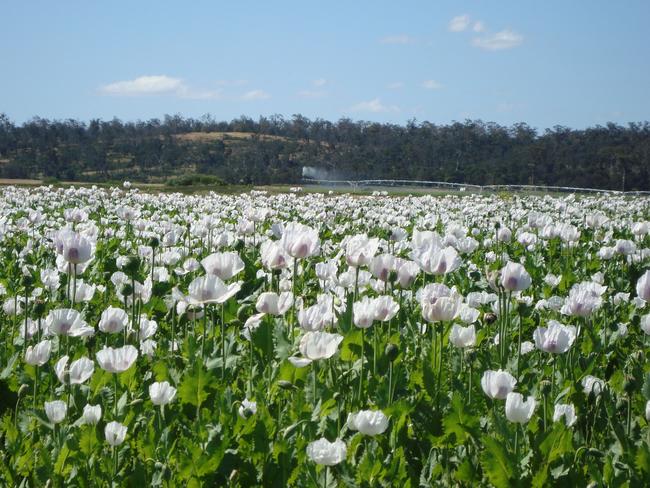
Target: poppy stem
(516, 440)
(314, 373)
(223, 345)
(115, 396)
(363, 343)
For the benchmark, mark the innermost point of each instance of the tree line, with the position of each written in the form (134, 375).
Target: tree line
(275, 149)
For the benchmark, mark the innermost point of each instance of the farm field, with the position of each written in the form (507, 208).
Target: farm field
(302, 339)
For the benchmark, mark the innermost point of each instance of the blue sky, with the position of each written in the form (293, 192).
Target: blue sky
(573, 63)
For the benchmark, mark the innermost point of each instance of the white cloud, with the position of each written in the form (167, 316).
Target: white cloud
(144, 85)
(396, 85)
(374, 106)
(431, 85)
(316, 91)
(398, 39)
(157, 85)
(505, 39)
(479, 26)
(459, 23)
(311, 93)
(255, 95)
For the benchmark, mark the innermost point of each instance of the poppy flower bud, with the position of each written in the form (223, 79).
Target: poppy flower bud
(489, 318)
(132, 265)
(244, 311)
(545, 387)
(27, 281)
(247, 409)
(153, 242)
(286, 385)
(630, 385)
(391, 352)
(39, 308)
(127, 290)
(583, 362)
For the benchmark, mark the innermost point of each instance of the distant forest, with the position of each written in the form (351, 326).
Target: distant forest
(275, 149)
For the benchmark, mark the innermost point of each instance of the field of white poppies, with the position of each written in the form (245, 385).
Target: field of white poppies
(323, 340)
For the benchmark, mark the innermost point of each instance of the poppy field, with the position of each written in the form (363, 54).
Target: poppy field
(323, 340)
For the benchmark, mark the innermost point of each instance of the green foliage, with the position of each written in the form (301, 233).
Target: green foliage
(194, 180)
(188, 153)
(496, 462)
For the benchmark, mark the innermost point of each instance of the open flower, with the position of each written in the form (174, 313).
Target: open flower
(440, 303)
(462, 336)
(360, 250)
(92, 414)
(274, 304)
(364, 312)
(81, 370)
(56, 411)
(113, 320)
(115, 433)
(274, 256)
(518, 410)
(567, 411)
(319, 345)
(557, 338)
(161, 393)
(407, 271)
(497, 384)
(300, 241)
(117, 360)
(327, 453)
(210, 289)
(382, 265)
(65, 321)
(584, 299)
(385, 308)
(368, 422)
(438, 260)
(514, 277)
(225, 265)
(75, 248)
(83, 292)
(39, 354)
(643, 286)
